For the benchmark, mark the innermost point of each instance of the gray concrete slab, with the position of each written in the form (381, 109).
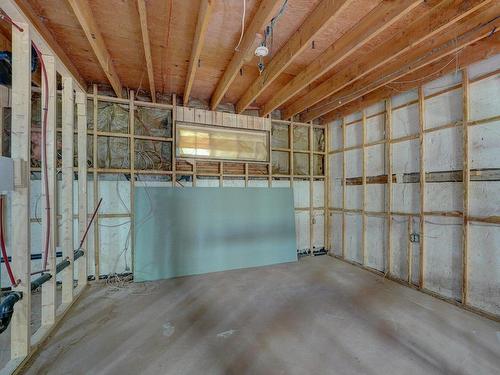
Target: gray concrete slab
(316, 316)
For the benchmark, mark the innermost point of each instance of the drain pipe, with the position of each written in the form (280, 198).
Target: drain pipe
(7, 309)
(7, 305)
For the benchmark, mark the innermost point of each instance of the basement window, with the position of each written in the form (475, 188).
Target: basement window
(221, 143)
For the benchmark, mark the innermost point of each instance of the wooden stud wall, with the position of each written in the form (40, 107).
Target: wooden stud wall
(81, 100)
(198, 168)
(466, 183)
(20, 152)
(24, 342)
(422, 181)
(67, 241)
(388, 160)
(423, 177)
(49, 288)
(310, 177)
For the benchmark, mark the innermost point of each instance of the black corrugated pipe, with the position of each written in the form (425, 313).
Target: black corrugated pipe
(7, 308)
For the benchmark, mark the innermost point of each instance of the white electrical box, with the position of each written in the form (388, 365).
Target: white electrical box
(6, 174)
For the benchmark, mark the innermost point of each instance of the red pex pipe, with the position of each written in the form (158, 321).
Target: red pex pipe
(4, 250)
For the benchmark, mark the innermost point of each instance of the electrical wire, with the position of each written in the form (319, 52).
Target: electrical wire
(242, 25)
(44, 155)
(4, 249)
(5, 17)
(341, 100)
(44, 139)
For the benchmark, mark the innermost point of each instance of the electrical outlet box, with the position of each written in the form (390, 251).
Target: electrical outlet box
(6, 175)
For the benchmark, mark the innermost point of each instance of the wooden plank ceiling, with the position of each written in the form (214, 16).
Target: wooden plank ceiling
(325, 55)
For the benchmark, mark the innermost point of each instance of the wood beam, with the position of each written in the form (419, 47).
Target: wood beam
(473, 53)
(262, 17)
(321, 16)
(83, 13)
(431, 24)
(204, 14)
(43, 30)
(466, 186)
(20, 198)
(143, 18)
(377, 21)
(50, 190)
(479, 26)
(67, 241)
(81, 102)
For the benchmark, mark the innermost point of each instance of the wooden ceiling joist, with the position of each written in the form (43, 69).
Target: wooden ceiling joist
(143, 18)
(377, 21)
(44, 31)
(83, 13)
(445, 14)
(485, 24)
(262, 17)
(471, 54)
(204, 13)
(322, 15)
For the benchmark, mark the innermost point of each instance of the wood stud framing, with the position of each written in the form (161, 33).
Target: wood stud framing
(81, 101)
(24, 342)
(310, 177)
(143, 18)
(204, 14)
(95, 181)
(83, 12)
(320, 17)
(394, 59)
(423, 178)
(385, 15)
(67, 241)
(266, 10)
(363, 181)
(422, 183)
(21, 140)
(388, 195)
(132, 170)
(466, 183)
(49, 288)
(63, 62)
(344, 186)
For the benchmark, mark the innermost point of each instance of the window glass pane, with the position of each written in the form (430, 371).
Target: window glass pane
(219, 143)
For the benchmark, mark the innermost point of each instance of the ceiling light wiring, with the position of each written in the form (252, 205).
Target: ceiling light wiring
(242, 25)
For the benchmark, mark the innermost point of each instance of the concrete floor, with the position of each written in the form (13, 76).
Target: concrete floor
(317, 316)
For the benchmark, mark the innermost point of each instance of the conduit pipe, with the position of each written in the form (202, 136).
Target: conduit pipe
(7, 304)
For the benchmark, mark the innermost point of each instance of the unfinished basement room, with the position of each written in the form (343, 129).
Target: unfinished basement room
(249, 187)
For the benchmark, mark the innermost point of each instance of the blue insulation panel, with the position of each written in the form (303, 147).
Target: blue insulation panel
(188, 231)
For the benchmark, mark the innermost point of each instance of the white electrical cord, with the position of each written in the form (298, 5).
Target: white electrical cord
(242, 24)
